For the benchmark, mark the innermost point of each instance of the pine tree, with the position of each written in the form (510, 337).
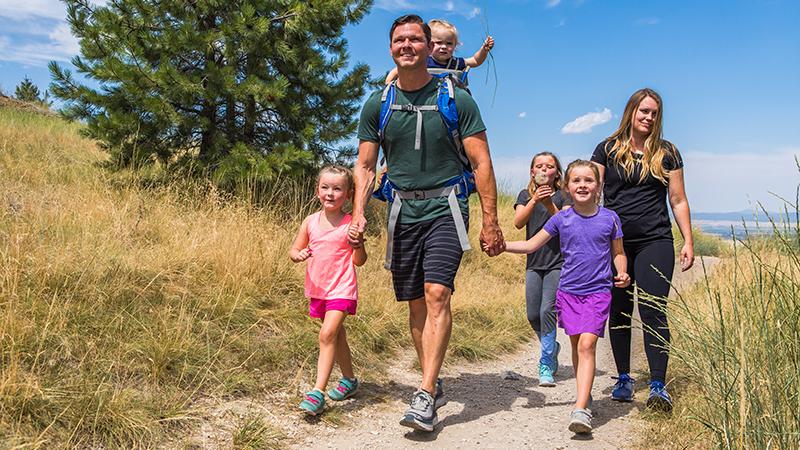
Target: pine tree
(27, 91)
(235, 87)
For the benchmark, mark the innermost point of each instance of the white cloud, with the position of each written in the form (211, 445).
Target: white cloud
(461, 7)
(586, 122)
(522, 115)
(28, 9)
(552, 3)
(648, 21)
(35, 32)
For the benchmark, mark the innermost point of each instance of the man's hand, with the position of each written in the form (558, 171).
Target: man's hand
(492, 241)
(355, 233)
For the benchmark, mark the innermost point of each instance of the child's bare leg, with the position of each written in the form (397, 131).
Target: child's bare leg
(328, 336)
(573, 340)
(343, 356)
(584, 375)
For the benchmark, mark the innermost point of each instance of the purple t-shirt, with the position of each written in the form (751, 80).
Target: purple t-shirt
(586, 247)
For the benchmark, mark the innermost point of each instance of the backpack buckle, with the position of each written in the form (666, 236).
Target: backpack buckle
(407, 108)
(419, 195)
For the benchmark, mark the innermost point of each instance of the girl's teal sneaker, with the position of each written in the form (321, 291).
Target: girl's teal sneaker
(314, 402)
(344, 390)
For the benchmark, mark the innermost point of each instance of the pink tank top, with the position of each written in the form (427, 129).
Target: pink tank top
(330, 272)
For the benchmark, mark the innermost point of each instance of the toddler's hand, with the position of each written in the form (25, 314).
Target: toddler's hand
(622, 280)
(488, 44)
(302, 255)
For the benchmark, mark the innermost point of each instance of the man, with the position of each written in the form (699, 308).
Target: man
(421, 157)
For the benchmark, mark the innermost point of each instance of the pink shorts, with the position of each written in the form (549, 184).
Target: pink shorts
(317, 307)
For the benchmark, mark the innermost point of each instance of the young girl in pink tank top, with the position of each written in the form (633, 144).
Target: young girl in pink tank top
(330, 282)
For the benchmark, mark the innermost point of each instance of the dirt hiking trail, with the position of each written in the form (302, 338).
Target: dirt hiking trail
(491, 404)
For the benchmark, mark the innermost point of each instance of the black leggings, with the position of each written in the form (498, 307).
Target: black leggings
(641, 260)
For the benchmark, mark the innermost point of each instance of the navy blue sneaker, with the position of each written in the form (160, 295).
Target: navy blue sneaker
(659, 399)
(623, 388)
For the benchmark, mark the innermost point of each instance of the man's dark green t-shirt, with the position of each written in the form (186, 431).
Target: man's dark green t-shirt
(437, 159)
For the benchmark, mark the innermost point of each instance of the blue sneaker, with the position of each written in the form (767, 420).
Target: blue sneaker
(659, 399)
(313, 403)
(345, 389)
(623, 388)
(546, 376)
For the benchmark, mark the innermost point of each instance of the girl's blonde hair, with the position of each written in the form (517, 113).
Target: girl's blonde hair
(340, 171)
(655, 148)
(559, 173)
(583, 163)
(446, 25)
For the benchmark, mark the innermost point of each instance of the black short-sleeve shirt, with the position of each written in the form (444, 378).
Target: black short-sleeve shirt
(640, 205)
(549, 256)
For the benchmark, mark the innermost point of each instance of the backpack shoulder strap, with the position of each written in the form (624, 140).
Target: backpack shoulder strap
(387, 100)
(446, 101)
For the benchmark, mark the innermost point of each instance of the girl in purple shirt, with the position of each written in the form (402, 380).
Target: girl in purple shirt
(591, 239)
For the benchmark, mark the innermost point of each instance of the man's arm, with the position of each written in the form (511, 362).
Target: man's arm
(364, 177)
(477, 149)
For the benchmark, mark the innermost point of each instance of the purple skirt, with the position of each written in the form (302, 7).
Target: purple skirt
(583, 313)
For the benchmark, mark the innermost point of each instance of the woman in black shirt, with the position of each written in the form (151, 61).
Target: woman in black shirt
(640, 171)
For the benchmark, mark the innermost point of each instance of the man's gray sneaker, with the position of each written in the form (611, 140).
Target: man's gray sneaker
(421, 414)
(580, 421)
(439, 399)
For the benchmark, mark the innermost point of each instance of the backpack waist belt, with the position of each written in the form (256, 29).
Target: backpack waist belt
(451, 192)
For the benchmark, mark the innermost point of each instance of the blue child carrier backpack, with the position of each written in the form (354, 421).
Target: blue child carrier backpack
(446, 106)
(460, 186)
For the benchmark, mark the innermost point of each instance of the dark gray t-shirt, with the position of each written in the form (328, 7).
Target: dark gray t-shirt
(549, 256)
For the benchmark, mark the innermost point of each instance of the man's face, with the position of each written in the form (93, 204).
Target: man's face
(409, 49)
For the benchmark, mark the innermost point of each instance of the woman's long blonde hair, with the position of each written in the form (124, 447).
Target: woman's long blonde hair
(557, 182)
(655, 148)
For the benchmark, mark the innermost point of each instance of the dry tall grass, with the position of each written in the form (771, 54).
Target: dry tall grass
(736, 350)
(120, 305)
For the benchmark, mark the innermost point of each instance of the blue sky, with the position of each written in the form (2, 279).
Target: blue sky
(729, 73)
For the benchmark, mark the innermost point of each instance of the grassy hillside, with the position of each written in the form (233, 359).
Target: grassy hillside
(121, 305)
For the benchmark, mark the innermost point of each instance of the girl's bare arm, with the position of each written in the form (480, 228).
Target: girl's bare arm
(299, 251)
(531, 245)
(359, 255)
(622, 279)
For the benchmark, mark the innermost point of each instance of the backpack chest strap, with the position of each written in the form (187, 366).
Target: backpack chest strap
(418, 110)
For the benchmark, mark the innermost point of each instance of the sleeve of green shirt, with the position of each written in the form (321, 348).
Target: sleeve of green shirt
(469, 116)
(370, 115)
